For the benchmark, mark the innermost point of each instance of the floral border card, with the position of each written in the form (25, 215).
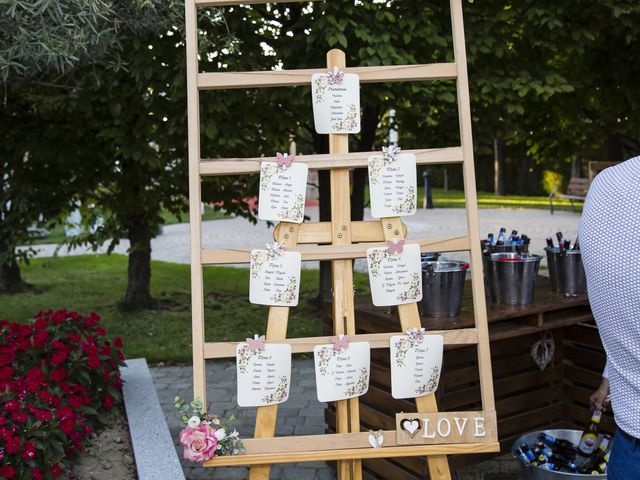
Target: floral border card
(274, 277)
(283, 187)
(395, 275)
(341, 372)
(264, 372)
(393, 184)
(416, 363)
(336, 102)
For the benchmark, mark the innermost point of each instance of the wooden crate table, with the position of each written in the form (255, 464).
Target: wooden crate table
(527, 398)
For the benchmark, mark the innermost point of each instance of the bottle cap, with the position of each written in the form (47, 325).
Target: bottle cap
(597, 414)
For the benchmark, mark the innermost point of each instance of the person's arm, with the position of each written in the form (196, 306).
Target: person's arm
(598, 399)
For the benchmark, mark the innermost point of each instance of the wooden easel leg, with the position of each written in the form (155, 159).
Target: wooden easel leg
(410, 318)
(277, 321)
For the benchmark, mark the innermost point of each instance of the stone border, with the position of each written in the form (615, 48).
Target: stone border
(153, 446)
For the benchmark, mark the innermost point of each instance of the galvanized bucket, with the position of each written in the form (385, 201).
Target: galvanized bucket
(532, 472)
(442, 287)
(566, 271)
(512, 277)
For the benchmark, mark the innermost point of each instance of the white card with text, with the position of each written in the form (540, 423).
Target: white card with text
(282, 192)
(264, 375)
(336, 102)
(393, 185)
(395, 276)
(342, 374)
(274, 278)
(416, 363)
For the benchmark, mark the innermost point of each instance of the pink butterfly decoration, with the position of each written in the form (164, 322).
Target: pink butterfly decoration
(340, 342)
(395, 245)
(284, 159)
(256, 344)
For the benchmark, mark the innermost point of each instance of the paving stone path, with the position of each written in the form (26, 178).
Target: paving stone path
(302, 414)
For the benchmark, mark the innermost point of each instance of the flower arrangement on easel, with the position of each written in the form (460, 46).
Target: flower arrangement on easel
(204, 434)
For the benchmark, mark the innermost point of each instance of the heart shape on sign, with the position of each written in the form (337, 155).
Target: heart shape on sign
(376, 439)
(411, 426)
(542, 351)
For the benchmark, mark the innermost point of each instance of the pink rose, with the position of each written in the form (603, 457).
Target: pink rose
(199, 444)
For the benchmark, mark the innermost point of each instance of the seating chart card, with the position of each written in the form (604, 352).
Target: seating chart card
(264, 372)
(336, 102)
(416, 363)
(395, 275)
(274, 276)
(283, 186)
(393, 183)
(342, 369)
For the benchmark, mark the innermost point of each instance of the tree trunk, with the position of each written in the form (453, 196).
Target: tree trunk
(11, 278)
(498, 162)
(138, 295)
(576, 165)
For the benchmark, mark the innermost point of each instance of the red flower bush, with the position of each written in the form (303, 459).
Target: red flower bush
(58, 376)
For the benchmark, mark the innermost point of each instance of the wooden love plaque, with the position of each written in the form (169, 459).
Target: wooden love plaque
(445, 427)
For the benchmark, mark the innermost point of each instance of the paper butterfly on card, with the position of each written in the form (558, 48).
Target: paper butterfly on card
(416, 333)
(256, 344)
(284, 160)
(275, 249)
(341, 342)
(336, 76)
(391, 152)
(395, 245)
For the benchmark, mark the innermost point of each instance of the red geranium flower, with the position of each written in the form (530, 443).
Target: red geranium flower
(36, 474)
(7, 471)
(13, 445)
(56, 471)
(117, 342)
(107, 402)
(28, 451)
(58, 375)
(93, 362)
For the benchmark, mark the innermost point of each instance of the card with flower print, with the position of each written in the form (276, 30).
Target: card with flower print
(393, 185)
(341, 374)
(264, 372)
(282, 192)
(336, 102)
(416, 362)
(274, 278)
(394, 274)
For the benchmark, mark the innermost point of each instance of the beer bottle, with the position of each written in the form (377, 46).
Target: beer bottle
(512, 237)
(523, 457)
(602, 467)
(576, 244)
(503, 232)
(490, 239)
(550, 242)
(524, 448)
(567, 244)
(597, 456)
(565, 446)
(560, 237)
(588, 441)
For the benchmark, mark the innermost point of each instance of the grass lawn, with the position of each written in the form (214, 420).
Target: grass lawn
(97, 283)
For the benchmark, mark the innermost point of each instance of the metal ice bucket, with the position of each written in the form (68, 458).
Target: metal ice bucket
(442, 287)
(566, 271)
(512, 277)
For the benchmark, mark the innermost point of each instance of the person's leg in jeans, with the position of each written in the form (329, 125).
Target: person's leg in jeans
(624, 462)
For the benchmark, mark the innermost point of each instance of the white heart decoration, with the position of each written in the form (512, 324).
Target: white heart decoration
(376, 439)
(411, 426)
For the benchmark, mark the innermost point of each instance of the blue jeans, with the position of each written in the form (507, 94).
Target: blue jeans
(624, 459)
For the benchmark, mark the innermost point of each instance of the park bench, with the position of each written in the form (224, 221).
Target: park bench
(576, 191)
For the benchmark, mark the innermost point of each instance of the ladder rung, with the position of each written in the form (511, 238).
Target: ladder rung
(320, 232)
(240, 166)
(222, 256)
(283, 78)
(341, 446)
(222, 3)
(463, 336)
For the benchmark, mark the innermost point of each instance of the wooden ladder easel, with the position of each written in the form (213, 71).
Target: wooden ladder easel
(340, 241)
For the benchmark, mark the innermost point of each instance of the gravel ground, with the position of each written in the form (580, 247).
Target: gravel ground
(110, 454)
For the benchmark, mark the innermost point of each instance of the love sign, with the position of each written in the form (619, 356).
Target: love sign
(445, 427)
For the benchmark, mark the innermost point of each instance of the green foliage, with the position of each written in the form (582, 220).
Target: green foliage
(551, 180)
